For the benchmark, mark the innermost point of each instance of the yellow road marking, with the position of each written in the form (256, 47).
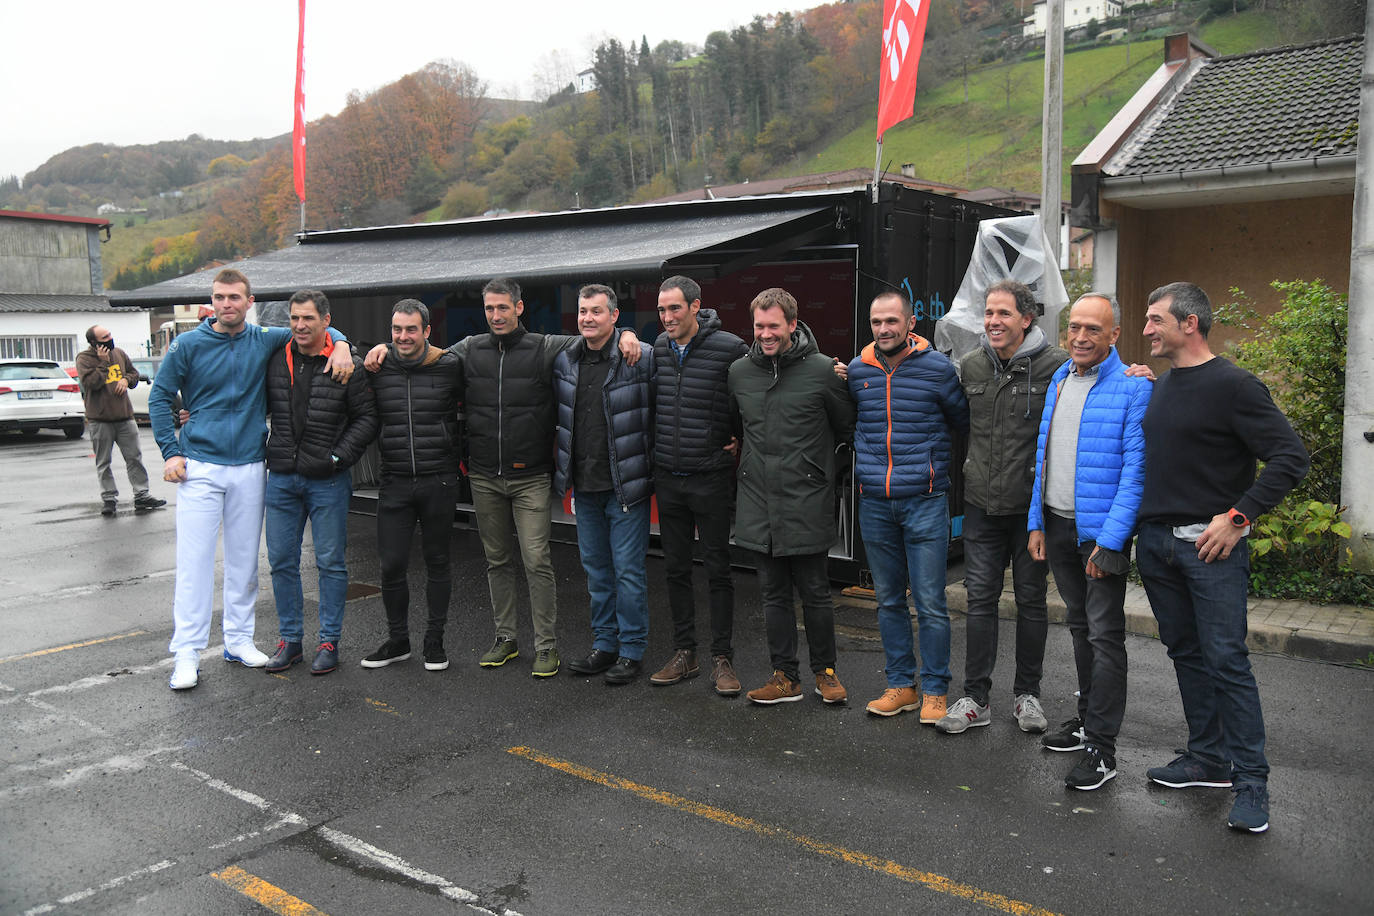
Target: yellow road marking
(75, 645)
(267, 895)
(730, 819)
(380, 706)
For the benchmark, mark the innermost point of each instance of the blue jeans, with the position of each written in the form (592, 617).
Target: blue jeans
(613, 543)
(1201, 609)
(291, 499)
(907, 540)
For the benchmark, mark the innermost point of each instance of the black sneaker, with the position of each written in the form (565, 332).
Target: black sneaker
(391, 652)
(145, 502)
(108, 507)
(436, 659)
(1250, 812)
(1068, 737)
(1186, 771)
(1092, 771)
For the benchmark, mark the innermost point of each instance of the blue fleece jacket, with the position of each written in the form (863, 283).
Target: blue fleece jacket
(223, 384)
(1110, 472)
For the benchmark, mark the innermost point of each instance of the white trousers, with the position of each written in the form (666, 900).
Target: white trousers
(213, 495)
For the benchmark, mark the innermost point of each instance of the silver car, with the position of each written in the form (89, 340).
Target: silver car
(39, 394)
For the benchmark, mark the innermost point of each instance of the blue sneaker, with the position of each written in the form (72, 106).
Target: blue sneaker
(1186, 771)
(1251, 809)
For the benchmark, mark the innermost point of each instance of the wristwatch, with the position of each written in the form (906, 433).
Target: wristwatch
(1237, 518)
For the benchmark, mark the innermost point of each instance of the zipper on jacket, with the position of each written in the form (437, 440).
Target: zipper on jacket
(500, 412)
(410, 428)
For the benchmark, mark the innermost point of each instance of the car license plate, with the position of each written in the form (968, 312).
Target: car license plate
(31, 395)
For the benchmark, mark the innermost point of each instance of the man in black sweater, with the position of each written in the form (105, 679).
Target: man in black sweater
(417, 392)
(1206, 425)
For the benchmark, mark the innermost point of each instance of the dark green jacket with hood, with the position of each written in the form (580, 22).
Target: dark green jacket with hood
(793, 412)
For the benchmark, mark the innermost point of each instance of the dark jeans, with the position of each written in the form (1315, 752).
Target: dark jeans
(704, 504)
(777, 576)
(402, 502)
(1097, 622)
(1201, 609)
(990, 541)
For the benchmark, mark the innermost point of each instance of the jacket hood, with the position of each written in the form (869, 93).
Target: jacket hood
(915, 342)
(430, 355)
(803, 345)
(1035, 343)
(708, 322)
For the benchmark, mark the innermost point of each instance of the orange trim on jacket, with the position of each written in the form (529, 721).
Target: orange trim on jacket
(871, 357)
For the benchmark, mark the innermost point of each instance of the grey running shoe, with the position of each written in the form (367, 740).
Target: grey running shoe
(964, 715)
(1029, 714)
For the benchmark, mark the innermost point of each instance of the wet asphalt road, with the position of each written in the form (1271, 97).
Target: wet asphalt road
(401, 790)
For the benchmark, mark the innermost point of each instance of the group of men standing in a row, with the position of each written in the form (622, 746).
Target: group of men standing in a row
(1068, 455)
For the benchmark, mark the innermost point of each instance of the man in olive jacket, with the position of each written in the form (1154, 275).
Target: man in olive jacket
(1005, 380)
(793, 411)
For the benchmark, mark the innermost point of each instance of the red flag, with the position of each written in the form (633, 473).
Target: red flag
(298, 128)
(904, 31)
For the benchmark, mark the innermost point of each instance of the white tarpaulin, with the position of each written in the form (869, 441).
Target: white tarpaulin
(1012, 248)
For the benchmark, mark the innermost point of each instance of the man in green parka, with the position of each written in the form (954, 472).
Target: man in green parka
(793, 411)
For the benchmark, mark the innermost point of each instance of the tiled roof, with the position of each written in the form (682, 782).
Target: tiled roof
(33, 302)
(1281, 104)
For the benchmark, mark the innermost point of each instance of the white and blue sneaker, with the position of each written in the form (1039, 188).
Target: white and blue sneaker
(186, 671)
(246, 654)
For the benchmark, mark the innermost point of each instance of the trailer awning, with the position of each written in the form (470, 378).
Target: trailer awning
(573, 246)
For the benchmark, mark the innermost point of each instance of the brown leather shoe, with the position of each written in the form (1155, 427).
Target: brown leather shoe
(779, 689)
(932, 708)
(829, 688)
(895, 700)
(723, 677)
(682, 665)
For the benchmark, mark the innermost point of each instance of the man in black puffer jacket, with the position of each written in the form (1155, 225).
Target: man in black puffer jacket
(319, 429)
(694, 475)
(604, 446)
(417, 389)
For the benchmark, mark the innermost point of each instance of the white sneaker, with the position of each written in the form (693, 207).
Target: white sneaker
(1029, 715)
(246, 654)
(186, 672)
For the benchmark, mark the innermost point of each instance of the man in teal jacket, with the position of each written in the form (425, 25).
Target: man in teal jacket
(1089, 473)
(219, 462)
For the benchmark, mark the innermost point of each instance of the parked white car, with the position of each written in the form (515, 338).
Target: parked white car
(147, 367)
(39, 394)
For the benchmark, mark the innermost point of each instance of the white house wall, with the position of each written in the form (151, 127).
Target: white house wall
(130, 328)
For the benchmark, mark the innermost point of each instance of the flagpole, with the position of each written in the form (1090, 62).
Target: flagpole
(877, 163)
(298, 121)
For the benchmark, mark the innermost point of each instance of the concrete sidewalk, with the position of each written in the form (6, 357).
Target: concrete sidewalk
(1339, 633)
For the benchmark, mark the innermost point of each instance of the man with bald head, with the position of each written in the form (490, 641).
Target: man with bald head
(106, 375)
(1089, 473)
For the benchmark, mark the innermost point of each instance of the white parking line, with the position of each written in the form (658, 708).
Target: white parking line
(107, 886)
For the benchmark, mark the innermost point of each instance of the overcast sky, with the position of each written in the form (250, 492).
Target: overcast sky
(95, 71)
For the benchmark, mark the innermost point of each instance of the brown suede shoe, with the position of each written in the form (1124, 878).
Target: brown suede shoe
(779, 689)
(723, 677)
(682, 665)
(932, 708)
(829, 688)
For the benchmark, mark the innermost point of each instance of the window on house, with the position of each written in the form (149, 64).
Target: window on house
(60, 349)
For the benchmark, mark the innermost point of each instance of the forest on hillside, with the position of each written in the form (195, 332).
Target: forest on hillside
(759, 100)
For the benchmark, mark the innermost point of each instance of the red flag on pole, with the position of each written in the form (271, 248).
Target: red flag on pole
(904, 31)
(298, 128)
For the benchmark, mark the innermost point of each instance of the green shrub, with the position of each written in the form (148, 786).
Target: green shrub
(1298, 550)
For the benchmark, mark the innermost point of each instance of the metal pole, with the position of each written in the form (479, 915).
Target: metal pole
(1357, 438)
(1052, 137)
(877, 164)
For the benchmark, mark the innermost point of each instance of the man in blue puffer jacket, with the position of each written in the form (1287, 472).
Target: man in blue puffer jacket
(1089, 473)
(604, 447)
(909, 401)
(219, 461)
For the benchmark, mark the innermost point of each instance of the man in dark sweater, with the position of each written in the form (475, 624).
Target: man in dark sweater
(694, 476)
(1206, 425)
(106, 375)
(417, 392)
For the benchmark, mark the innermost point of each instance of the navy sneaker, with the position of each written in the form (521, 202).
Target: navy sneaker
(287, 654)
(1186, 771)
(1251, 809)
(1092, 771)
(326, 659)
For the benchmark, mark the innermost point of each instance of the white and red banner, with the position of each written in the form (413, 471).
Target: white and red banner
(298, 127)
(904, 31)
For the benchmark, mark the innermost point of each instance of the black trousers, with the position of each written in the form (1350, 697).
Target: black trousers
(990, 541)
(1097, 622)
(696, 509)
(403, 501)
(777, 576)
